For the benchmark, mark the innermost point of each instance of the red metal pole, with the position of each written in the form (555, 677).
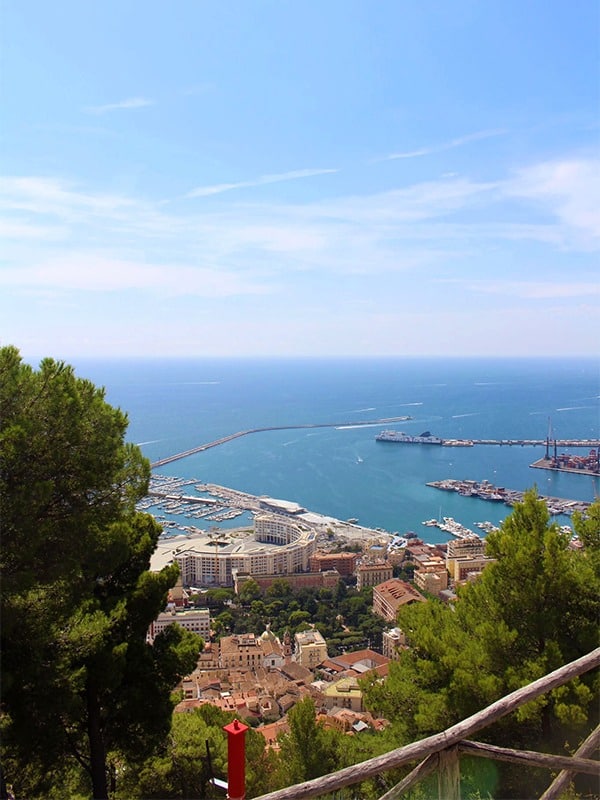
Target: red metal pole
(236, 760)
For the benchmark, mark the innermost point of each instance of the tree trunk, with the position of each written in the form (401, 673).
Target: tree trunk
(96, 740)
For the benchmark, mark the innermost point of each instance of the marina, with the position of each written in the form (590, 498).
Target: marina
(219, 504)
(171, 504)
(451, 526)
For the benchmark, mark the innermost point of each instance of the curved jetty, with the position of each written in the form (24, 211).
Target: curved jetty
(201, 447)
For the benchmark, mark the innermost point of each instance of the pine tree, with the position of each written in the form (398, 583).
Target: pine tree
(532, 610)
(79, 681)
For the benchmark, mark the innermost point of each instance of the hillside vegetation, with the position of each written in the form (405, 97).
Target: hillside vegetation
(87, 702)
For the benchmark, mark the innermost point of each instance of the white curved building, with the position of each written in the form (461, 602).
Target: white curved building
(280, 546)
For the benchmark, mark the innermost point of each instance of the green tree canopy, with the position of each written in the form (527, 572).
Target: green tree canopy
(532, 610)
(308, 750)
(249, 591)
(193, 754)
(79, 680)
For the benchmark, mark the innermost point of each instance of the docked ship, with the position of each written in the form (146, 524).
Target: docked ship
(406, 438)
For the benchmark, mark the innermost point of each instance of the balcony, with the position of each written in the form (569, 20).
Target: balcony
(441, 752)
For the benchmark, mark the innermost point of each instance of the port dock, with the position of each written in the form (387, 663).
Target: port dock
(580, 466)
(484, 490)
(399, 438)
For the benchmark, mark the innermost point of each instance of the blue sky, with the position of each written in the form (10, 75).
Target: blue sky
(251, 177)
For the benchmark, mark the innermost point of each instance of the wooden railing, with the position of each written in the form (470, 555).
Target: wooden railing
(441, 752)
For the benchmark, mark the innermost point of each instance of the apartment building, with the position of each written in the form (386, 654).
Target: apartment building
(388, 597)
(196, 620)
(371, 573)
(393, 641)
(432, 576)
(467, 567)
(302, 580)
(248, 651)
(344, 563)
(345, 693)
(310, 649)
(281, 545)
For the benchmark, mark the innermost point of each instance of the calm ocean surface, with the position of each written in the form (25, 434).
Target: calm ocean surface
(177, 404)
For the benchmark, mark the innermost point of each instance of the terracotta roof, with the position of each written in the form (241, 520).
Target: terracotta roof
(272, 731)
(296, 672)
(329, 663)
(401, 591)
(348, 659)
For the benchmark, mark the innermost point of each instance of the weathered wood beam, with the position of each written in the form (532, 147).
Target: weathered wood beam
(439, 741)
(530, 758)
(559, 784)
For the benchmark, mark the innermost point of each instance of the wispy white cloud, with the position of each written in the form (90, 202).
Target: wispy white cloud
(73, 239)
(567, 189)
(20, 231)
(536, 290)
(44, 196)
(454, 251)
(91, 272)
(205, 191)
(440, 148)
(131, 102)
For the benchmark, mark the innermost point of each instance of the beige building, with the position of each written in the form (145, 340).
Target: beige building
(344, 563)
(469, 546)
(298, 580)
(373, 572)
(281, 545)
(462, 569)
(248, 651)
(310, 649)
(465, 556)
(393, 641)
(196, 620)
(397, 556)
(432, 576)
(388, 597)
(344, 693)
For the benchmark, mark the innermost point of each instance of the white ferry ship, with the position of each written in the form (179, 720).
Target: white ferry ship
(405, 438)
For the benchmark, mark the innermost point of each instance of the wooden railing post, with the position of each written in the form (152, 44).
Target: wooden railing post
(449, 774)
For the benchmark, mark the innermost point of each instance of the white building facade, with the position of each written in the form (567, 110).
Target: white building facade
(195, 620)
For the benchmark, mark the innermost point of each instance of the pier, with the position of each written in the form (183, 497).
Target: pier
(388, 436)
(484, 490)
(529, 442)
(201, 447)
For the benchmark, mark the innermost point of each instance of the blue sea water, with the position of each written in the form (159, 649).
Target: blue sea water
(174, 405)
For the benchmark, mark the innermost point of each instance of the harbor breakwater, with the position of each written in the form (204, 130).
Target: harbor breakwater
(201, 447)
